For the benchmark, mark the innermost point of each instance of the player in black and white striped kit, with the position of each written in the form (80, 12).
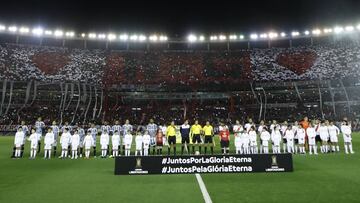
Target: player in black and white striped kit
(93, 130)
(117, 128)
(152, 129)
(81, 132)
(55, 130)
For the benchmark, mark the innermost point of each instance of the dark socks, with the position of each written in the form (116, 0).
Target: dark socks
(13, 154)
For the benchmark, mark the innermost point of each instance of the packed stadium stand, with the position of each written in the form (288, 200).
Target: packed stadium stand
(82, 85)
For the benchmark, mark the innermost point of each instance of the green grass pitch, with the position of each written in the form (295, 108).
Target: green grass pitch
(322, 178)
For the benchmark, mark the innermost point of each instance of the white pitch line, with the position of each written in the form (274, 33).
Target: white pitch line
(203, 188)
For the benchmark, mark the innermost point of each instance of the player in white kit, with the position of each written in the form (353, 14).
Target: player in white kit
(146, 143)
(64, 142)
(245, 142)
(276, 139)
(311, 133)
(127, 142)
(88, 143)
(75, 142)
(296, 140)
(334, 131)
(253, 140)
(138, 144)
(265, 137)
(104, 143)
(115, 141)
(238, 129)
(18, 142)
(346, 131)
(33, 143)
(49, 140)
(289, 135)
(324, 136)
(300, 134)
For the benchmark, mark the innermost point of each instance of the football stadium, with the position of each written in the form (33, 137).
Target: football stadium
(171, 107)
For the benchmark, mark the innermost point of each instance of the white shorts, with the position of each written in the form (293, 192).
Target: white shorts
(347, 138)
(47, 146)
(64, 146)
(290, 142)
(103, 146)
(276, 143)
(87, 147)
(312, 141)
(265, 143)
(115, 147)
(146, 146)
(324, 138)
(302, 141)
(253, 143)
(74, 147)
(18, 145)
(34, 145)
(127, 146)
(334, 138)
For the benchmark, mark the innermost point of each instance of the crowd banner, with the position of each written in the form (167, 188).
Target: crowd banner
(140, 165)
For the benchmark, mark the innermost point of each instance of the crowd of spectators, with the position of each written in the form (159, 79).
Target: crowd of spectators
(328, 61)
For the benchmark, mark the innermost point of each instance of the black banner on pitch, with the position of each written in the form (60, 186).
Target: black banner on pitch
(131, 165)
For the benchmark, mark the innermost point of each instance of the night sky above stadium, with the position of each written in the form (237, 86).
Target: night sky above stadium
(181, 17)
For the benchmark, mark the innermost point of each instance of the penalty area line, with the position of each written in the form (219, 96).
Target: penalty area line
(203, 189)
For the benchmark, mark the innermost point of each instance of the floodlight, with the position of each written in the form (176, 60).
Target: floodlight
(111, 36)
(83, 35)
(201, 38)
(232, 37)
(24, 30)
(328, 30)
(92, 35)
(349, 28)
(153, 38)
(70, 34)
(263, 35)
(192, 38)
(163, 38)
(222, 37)
(213, 38)
(58, 33)
(142, 38)
(316, 32)
(124, 37)
(253, 36)
(48, 32)
(307, 32)
(241, 37)
(134, 37)
(37, 31)
(283, 34)
(273, 35)
(2, 27)
(338, 30)
(295, 33)
(13, 28)
(358, 27)
(101, 36)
